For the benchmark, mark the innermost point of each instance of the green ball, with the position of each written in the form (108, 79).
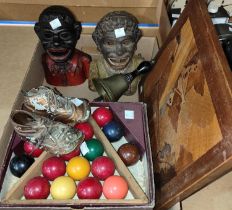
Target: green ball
(95, 149)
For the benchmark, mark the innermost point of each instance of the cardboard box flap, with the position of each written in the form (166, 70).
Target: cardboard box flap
(92, 3)
(151, 14)
(85, 11)
(189, 97)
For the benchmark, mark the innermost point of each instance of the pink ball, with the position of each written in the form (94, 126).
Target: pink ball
(53, 167)
(89, 188)
(115, 187)
(37, 188)
(103, 167)
(102, 116)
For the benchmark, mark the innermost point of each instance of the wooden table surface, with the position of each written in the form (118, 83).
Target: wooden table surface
(17, 45)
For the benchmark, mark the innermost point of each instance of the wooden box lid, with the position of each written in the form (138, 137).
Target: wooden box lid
(189, 97)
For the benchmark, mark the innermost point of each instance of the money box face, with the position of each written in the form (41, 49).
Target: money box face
(117, 52)
(116, 36)
(58, 32)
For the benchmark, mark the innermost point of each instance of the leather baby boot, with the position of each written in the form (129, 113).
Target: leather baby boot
(55, 137)
(49, 102)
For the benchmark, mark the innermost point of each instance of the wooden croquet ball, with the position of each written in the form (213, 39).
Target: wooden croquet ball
(31, 149)
(89, 188)
(37, 188)
(78, 168)
(20, 164)
(115, 187)
(94, 149)
(63, 187)
(113, 131)
(53, 167)
(103, 167)
(69, 156)
(129, 153)
(102, 116)
(86, 129)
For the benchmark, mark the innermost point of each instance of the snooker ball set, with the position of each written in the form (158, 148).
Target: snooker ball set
(64, 179)
(85, 172)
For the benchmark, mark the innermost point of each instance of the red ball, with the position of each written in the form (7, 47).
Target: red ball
(115, 187)
(102, 116)
(86, 129)
(53, 167)
(31, 149)
(37, 188)
(103, 167)
(69, 156)
(89, 188)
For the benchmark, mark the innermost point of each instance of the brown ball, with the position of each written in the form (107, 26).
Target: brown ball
(129, 153)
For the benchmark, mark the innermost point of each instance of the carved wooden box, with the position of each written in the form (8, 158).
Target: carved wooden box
(189, 102)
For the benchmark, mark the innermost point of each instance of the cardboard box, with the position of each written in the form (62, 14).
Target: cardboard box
(147, 46)
(139, 177)
(188, 95)
(34, 77)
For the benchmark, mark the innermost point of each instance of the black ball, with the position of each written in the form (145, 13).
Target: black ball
(113, 131)
(20, 164)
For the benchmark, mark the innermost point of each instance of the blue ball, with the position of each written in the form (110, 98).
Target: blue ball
(113, 131)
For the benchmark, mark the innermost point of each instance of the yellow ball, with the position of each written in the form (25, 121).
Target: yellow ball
(78, 168)
(63, 187)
